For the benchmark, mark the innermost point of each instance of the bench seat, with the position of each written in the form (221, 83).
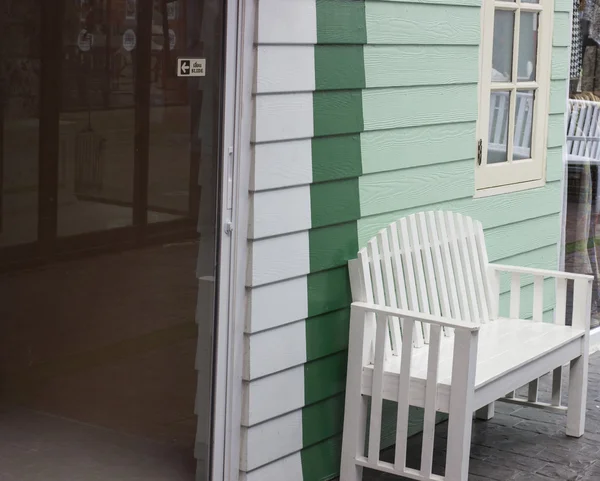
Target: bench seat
(505, 346)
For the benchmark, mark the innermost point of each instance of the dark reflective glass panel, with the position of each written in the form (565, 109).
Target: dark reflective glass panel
(110, 172)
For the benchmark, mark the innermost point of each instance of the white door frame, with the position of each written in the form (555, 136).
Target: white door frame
(237, 156)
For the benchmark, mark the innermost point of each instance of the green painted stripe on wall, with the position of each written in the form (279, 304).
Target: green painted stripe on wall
(328, 291)
(341, 21)
(322, 461)
(413, 106)
(327, 334)
(561, 35)
(556, 130)
(400, 23)
(385, 150)
(406, 188)
(558, 96)
(339, 67)
(334, 202)
(554, 164)
(563, 5)
(512, 239)
(333, 237)
(322, 420)
(338, 112)
(411, 65)
(332, 246)
(491, 211)
(560, 63)
(325, 377)
(337, 157)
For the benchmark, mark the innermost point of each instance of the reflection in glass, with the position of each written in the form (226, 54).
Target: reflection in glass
(19, 122)
(502, 55)
(106, 354)
(498, 131)
(97, 118)
(172, 162)
(523, 124)
(528, 46)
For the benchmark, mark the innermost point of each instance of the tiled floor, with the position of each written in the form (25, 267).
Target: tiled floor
(523, 444)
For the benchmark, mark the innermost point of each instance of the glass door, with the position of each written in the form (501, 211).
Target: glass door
(109, 198)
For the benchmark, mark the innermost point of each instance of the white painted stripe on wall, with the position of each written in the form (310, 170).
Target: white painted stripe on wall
(287, 22)
(281, 211)
(283, 117)
(282, 164)
(274, 350)
(272, 396)
(278, 258)
(285, 68)
(277, 304)
(285, 469)
(270, 441)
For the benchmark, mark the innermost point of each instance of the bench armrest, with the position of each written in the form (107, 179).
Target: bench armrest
(540, 272)
(415, 316)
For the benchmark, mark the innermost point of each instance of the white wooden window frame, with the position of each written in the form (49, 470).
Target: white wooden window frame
(529, 173)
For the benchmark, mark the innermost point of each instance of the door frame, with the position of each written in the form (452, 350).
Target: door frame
(237, 155)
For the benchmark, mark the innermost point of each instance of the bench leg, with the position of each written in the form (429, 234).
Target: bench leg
(356, 406)
(460, 415)
(577, 396)
(486, 412)
(354, 433)
(459, 447)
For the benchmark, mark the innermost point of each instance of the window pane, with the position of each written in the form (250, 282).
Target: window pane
(528, 46)
(523, 124)
(502, 55)
(498, 133)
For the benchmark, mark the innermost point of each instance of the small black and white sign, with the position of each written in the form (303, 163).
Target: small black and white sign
(191, 67)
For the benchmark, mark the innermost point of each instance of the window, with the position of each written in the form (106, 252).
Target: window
(514, 89)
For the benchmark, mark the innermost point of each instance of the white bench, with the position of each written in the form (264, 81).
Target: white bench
(583, 134)
(425, 331)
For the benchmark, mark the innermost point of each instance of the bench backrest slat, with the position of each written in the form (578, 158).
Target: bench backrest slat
(430, 262)
(389, 288)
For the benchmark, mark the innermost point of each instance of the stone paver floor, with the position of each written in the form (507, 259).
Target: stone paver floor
(522, 443)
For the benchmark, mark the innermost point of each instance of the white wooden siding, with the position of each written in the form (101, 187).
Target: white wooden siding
(288, 468)
(287, 22)
(283, 117)
(272, 396)
(278, 258)
(274, 350)
(282, 164)
(285, 68)
(277, 212)
(259, 448)
(277, 304)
